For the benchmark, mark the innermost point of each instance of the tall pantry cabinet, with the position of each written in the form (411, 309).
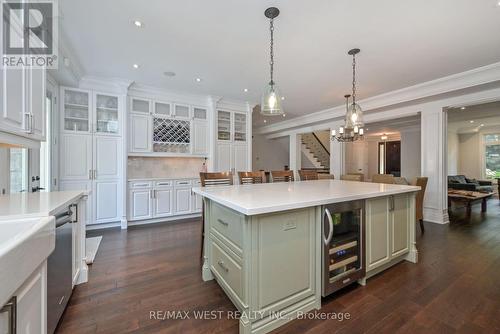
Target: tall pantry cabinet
(91, 150)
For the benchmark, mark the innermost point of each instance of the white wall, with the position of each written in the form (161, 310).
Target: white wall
(469, 155)
(410, 154)
(270, 154)
(453, 153)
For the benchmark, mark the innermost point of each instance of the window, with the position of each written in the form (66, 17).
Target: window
(492, 155)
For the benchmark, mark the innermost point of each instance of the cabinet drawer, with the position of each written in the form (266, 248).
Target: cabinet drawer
(167, 183)
(140, 184)
(228, 223)
(196, 183)
(182, 182)
(226, 269)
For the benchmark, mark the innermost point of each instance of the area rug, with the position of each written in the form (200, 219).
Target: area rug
(91, 247)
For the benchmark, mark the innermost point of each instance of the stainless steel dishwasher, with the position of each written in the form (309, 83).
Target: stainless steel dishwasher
(59, 268)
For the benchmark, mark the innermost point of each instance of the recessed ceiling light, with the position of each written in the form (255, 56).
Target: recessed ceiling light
(482, 125)
(471, 121)
(284, 115)
(136, 66)
(282, 98)
(138, 23)
(198, 79)
(245, 90)
(169, 74)
(463, 108)
(265, 121)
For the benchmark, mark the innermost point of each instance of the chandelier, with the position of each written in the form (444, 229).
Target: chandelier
(353, 122)
(271, 99)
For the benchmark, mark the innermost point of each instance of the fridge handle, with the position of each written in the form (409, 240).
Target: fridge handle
(330, 226)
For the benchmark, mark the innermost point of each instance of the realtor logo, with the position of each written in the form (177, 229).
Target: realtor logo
(29, 34)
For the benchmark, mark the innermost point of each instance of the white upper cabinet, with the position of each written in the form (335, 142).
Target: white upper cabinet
(240, 127)
(162, 109)
(76, 111)
(182, 111)
(162, 128)
(223, 125)
(140, 133)
(13, 91)
(107, 115)
(76, 157)
(107, 157)
(36, 101)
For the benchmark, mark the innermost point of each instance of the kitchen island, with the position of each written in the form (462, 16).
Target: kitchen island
(264, 242)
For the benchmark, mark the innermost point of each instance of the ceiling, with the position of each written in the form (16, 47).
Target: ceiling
(226, 44)
(469, 119)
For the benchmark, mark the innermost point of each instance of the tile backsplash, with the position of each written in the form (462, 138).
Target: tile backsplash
(145, 167)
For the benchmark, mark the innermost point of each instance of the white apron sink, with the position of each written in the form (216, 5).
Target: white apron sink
(24, 245)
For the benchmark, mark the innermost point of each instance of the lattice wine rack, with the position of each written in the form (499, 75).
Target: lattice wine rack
(171, 135)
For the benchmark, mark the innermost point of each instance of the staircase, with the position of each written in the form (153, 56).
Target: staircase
(315, 151)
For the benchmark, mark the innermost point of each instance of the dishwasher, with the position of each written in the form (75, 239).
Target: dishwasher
(60, 267)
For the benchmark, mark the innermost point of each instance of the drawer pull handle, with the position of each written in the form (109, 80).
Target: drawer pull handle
(183, 183)
(222, 222)
(223, 266)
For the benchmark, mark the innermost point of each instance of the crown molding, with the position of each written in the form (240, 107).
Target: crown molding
(116, 85)
(464, 80)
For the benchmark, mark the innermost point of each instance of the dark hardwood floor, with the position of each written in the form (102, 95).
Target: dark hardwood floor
(455, 288)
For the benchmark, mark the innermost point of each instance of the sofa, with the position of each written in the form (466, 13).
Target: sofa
(461, 182)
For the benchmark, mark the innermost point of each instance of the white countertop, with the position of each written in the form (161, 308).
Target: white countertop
(40, 204)
(257, 199)
(162, 178)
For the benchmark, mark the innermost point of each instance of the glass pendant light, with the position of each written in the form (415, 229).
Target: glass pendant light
(353, 121)
(271, 99)
(355, 112)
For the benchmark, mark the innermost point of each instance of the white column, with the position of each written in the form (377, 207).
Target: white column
(433, 164)
(295, 153)
(337, 155)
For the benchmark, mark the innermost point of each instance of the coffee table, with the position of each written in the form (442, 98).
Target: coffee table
(468, 198)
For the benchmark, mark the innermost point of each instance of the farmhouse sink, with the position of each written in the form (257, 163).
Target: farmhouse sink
(24, 245)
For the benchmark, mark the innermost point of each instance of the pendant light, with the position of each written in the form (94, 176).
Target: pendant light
(353, 121)
(271, 99)
(348, 132)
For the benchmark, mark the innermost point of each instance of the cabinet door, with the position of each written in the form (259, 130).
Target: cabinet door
(197, 203)
(140, 133)
(140, 204)
(400, 225)
(223, 157)
(76, 157)
(182, 111)
(182, 200)
(240, 158)
(200, 114)
(76, 111)
(106, 201)
(36, 102)
(223, 125)
(107, 157)
(200, 140)
(162, 108)
(138, 105)
(240, 127)
(163, 202)
(31, 304)
(80, 185)
(13, 100)
(377, 232)
(107, 114)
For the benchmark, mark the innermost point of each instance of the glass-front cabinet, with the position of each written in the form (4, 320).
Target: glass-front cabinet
(86, 112)
(106, 114)
(76, 111)
(231, 126)
(223, 125)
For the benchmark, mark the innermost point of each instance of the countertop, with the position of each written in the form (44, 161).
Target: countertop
(40, 204)
(257, 199)
(135, 179)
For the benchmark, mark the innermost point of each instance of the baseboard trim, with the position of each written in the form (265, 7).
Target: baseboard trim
(163, 219)
(436, 216)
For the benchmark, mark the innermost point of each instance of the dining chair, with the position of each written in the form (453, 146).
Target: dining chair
(282, 176)
(351, 177)
(307, 174)
(362, 175)
(383, 178)
(419, 200)
(324, 176)
(251, 177)
(212, 180)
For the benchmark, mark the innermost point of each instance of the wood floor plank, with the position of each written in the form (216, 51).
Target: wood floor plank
(453, 289)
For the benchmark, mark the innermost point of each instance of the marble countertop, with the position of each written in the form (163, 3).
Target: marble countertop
(40, 204)
(257, 199)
